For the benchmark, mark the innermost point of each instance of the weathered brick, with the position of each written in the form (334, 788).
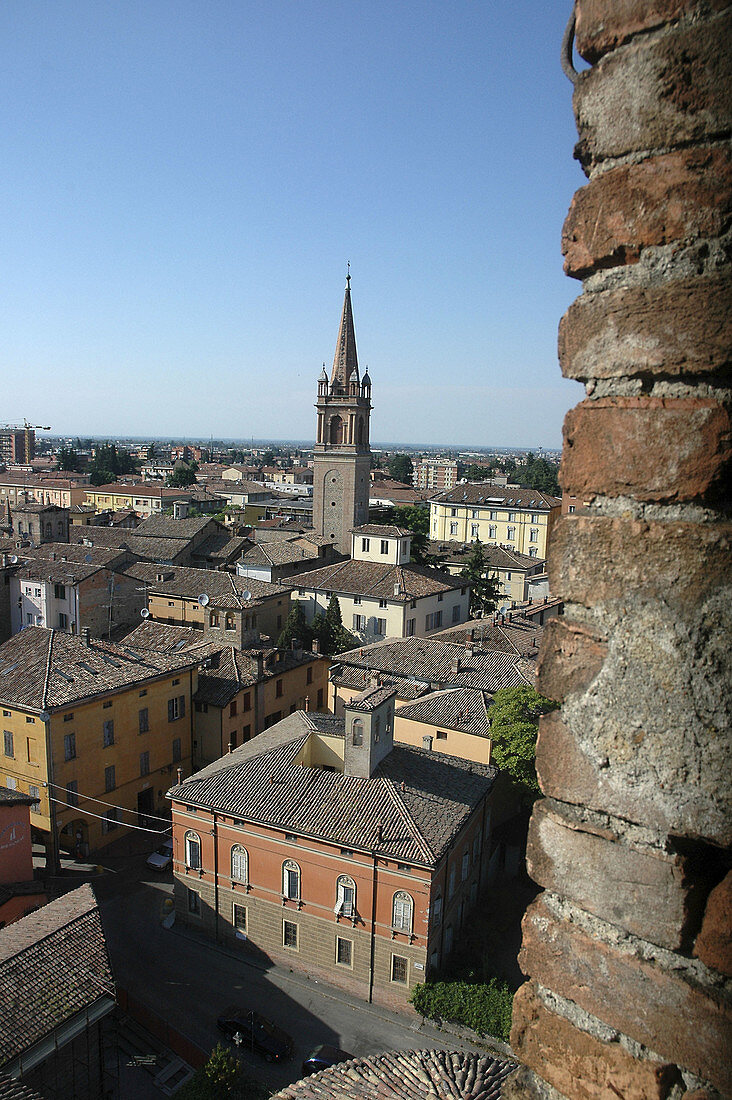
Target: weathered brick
(576, 1063)
(652, 448)
(714, 942)
(648, 893)
(603, 25)
(682, 328)
(569, 659)
(677, 196)
(681, 85)
(660, 1008)
(598, 560)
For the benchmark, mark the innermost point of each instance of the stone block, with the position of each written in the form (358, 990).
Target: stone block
(655, 449)
(603, 25)
(682, 328)
(657, 1006)
(714, 943)
(569, 659)
(656, 93)
(645, 891)
(674, 197)
(578, 1064)
(602, 560)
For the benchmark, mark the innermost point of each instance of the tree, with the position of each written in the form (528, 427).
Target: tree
(329, 630)
(296, 629)
(484, 590)
(401, 468)
(151, 451)
(415, 520)
(538, 473)
(107, 463)
(181, 477)
(514, 720)
(222, 1070)
(67, 459)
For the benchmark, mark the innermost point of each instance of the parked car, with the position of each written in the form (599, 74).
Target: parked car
(162, 857)
(248, 1029)
(323, 1057)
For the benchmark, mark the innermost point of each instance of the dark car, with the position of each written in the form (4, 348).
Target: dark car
(250, 1030)
(323, 1057)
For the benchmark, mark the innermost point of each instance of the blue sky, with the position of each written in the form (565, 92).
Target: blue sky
(183, 183)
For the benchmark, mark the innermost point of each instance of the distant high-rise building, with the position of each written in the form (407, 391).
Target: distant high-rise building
(17, 445)
(342, 459)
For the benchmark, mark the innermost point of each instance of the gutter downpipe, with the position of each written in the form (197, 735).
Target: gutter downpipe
(216, 877)
(372, 948)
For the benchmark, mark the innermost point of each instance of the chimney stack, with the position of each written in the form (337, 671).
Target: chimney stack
(379, 833)
(85, 635)
(180, 775)
(307, 703)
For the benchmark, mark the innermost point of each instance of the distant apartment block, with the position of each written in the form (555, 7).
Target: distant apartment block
(435, 473)
(517, 519)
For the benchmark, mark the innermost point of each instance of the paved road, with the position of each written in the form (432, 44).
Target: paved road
(188, 981)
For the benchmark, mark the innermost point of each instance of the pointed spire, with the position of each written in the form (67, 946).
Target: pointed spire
(345, 361)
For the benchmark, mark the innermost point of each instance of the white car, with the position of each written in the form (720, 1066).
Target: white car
(162, 857)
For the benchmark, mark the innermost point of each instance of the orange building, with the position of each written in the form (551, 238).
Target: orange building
(325, 847)
(19, 893)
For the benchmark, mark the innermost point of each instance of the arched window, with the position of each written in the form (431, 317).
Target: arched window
(193, 851)
(229, 624)
(213, 619)
(291, 880)
(345, 896)
(336, 429)
(401, 912)
(357, 732)
(239, 864)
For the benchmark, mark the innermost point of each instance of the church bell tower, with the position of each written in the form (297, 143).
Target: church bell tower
(342, 459)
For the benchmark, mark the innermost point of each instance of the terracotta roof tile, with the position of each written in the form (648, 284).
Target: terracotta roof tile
(406, 1075)
(478, 492)
(417, 801)
(53, 964)
(436, 662)
(366, 578)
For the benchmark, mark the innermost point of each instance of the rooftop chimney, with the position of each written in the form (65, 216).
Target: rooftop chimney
(180, 775)
(379, 832)
(86, 637)
(307, 703)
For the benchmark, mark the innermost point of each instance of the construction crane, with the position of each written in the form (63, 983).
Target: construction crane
(26, 428)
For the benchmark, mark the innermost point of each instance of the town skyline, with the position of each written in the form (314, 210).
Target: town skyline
(182, 196)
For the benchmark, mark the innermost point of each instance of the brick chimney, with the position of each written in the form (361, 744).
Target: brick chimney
(85, 635)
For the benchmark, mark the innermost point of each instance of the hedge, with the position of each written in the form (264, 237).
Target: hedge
(485, 1007)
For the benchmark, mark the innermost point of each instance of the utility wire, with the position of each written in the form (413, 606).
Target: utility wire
(103, 817)
(112, 805)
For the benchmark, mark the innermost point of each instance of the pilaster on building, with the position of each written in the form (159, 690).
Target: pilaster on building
(342, 451)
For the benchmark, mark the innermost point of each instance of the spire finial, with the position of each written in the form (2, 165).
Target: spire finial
(348, 273)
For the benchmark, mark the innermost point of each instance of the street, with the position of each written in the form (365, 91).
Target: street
(188, 981)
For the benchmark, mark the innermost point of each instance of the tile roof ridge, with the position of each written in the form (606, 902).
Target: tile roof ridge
(513, 645)
(236, 665)
(47, 677)
(392, 791)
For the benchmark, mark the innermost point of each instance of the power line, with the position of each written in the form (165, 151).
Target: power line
(112, 805)
(103, 817)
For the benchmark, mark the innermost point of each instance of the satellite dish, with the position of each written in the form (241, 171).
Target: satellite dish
(88, 559)
(246, 595)
(145, 613)
(44, 716)
(203, 599)
(13, 559)
(503, 610)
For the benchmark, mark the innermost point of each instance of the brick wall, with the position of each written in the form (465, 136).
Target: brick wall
(628, 947)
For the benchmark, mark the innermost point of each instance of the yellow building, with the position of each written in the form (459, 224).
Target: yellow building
(518, 519)
(94, 732)
(143, 498)
(454, 721)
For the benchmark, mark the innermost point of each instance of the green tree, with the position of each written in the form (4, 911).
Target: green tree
(484, 589)
(67, 459)
(416, 520)
(151, 451)
(222, 1070)
(296, 629)
(108, 463)
(401, 468)
(181, 477)
(514, 720)
(329, 630)
(538, 473)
